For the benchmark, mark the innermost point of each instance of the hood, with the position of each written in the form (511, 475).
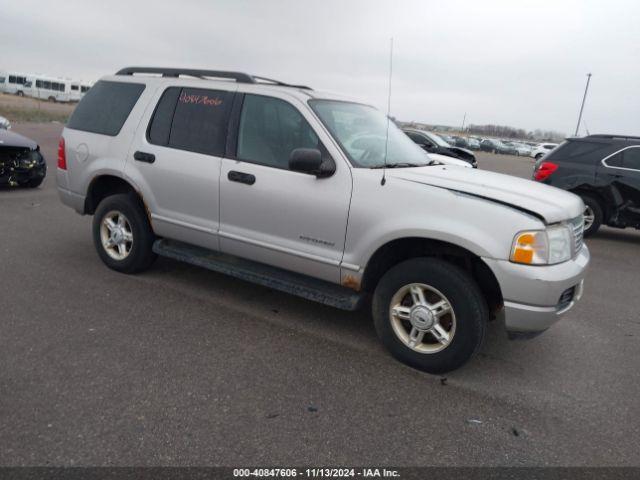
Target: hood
(468, 152)
(12, 139)
(445, 159)
(550, 203)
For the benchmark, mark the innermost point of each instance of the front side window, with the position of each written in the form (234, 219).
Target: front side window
(12, 79)
(368, 137)
(270, 129)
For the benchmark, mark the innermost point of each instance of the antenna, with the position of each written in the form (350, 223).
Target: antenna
(386, 140)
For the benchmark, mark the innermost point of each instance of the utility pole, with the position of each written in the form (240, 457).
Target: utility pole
(464, 119)
(586, 89)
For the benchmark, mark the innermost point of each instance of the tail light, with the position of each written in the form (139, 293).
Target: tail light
(545, 170)
(62, 156)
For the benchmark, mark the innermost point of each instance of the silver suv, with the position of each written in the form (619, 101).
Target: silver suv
(322, 197)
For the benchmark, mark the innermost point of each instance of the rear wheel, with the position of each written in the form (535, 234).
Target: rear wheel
(593, 214)
(430, 314)
(122, 234)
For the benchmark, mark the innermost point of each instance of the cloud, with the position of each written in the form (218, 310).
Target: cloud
(518, 63)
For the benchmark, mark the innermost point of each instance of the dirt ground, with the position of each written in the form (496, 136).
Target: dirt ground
(25, 109)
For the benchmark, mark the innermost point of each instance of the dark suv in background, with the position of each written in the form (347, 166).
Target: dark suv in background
(602, 169)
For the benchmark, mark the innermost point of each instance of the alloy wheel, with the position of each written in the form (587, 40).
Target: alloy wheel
(422, 318)
(116, 235)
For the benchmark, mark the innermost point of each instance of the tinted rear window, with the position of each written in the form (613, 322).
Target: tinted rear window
(192, 119)
(577, 151)
(105, 108)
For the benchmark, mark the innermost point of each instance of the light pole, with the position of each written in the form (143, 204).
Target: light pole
(463, 120)
(586, 89)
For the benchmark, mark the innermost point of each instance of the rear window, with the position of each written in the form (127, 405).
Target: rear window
(576, 151)
(105, 108)
(192, 119)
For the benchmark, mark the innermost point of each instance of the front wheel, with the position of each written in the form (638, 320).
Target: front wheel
(122, 234)
(430, 314)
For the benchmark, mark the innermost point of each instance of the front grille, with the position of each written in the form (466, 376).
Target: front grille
(577, 225)
(566, 298)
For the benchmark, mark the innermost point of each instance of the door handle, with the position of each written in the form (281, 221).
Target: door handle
(144, 157)
(241, 177)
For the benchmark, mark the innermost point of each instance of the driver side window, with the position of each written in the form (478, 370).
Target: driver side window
(270, 129)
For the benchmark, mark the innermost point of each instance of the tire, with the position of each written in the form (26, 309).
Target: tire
(20, 93)
(594, 214)
(52, 99)
(130, 222)
(465, 325)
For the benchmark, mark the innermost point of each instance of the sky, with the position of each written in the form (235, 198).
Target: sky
(520, 63)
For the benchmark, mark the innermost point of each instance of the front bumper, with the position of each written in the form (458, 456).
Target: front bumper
(535, 297)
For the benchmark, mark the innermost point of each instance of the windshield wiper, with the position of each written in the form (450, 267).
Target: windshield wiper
(402, 165)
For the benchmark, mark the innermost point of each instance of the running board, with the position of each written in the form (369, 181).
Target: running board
(294, 283)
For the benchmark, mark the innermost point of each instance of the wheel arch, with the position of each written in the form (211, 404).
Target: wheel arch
(401, 249)
(607, 204)
(105, 185)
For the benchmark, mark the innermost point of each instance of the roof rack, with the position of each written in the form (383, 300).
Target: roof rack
(604, 135)
(203, 74)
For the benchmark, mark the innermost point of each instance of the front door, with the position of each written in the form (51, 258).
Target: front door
(271, 214)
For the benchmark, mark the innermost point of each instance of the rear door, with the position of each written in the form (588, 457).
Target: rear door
(175, 160)
(622, 169)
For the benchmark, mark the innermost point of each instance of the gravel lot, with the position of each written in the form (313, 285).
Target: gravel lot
(182, 366)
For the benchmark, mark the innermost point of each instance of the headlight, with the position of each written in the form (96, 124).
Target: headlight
(543, 247)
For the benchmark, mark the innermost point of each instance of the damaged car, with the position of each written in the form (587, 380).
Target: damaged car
(21, 163)
(604, 170)
(322, 197)
(432, 143)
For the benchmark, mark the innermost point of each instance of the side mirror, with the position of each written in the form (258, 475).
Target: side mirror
(309, 160)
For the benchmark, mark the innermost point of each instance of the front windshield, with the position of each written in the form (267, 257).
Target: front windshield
(438, 140)
(361, 131)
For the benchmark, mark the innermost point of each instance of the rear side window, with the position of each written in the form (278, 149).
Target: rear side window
(615, 160)
(192, 119)
(577, 151)
(632, 158)
(105, 108)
